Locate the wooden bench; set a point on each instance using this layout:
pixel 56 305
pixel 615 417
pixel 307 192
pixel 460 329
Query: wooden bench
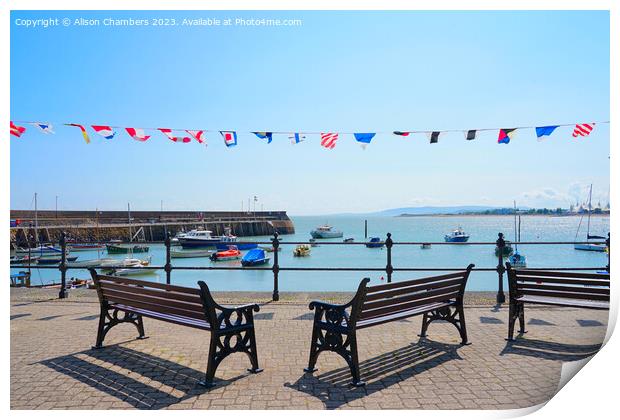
pixel 436 298
pixel 575 290
pixel 232 328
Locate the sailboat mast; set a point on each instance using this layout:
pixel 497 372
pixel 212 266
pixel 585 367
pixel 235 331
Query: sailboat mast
pixel 129 220
pixel 515 206
pixel 36 219
pixel 589 212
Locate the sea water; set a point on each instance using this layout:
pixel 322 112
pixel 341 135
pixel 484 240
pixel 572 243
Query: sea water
pixel 412 229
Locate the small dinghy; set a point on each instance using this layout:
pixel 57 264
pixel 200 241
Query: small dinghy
pixel 375 242
pixel 301 251
pixel 254 257
pixel 232 253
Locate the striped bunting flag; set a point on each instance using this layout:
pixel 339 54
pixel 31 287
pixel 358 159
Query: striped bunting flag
pixel 83 130
pixel 199 135
pixel 583 130
pixel 16 130
pixel 168 133
pixel 328 140
pixel 137 134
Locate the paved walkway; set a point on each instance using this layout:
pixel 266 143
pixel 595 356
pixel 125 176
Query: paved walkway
pixel 53 366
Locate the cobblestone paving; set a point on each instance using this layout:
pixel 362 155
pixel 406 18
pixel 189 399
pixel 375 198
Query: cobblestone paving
pixel 54 367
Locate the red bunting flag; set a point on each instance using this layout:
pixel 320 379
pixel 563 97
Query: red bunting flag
pixel 328 140
pixel 198 135
pixel 137 134
pixel 83 130
pixel 16 130
pixel 168 133
pixel 583 130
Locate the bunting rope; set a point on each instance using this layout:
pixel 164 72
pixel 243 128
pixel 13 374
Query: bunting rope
pixel 328 138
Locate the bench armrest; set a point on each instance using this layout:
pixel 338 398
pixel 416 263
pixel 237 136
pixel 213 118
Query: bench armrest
pixel 321 305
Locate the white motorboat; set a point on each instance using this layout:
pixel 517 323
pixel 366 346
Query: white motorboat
pixel 98 262
pixel 325 232
pixel 190 253
pixel 457 235
pixel 135 270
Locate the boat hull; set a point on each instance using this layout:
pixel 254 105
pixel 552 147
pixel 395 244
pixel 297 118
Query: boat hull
pixel 457 239
pixel 192 253
pixel 253 263
pixel 591 247
pixel 326 235
pixel 119 249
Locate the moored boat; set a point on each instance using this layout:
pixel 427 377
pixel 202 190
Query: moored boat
pixel 425 245
pixel 54 259
pixel 347 240
pixel 375 242
pixel 326 232
pixel 126 249
pixel 590 246
pixel 232 253
pixel 40 250
pixel 190 253
pixel 301 251
pixel 517 260
pixel 24 260
pixel 98 262
pixel 457 235
pixel 254 257
pixel 135 270
pixel 86 247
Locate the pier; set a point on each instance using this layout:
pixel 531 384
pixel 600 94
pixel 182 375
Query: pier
pixel 149 226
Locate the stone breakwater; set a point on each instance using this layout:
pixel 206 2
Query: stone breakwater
pixel 102 226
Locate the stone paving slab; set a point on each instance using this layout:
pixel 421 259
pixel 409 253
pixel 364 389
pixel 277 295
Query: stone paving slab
pixel 54 367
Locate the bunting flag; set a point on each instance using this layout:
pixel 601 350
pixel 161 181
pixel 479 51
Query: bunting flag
pixel 296 138
pixel 505 135
pixel 470 135
pixel 199 135
pixel 137 134
pixel 328 140
pixel 545 131
pixel 433 136
pixel 402 133
pixel 104 131
pixel 16 130
pixel 83 130
pixel 176 139
pixel 44 127
pixel 364 138
pixel 583 130
pixel 264 135
pixel 230 138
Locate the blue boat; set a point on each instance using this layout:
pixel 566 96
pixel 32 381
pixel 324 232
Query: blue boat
pixel 254 257
pixel 457 235
pixel 375 242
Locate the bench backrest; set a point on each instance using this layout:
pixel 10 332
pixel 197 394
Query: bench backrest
pixel 390 299
pixel 152 296
pixel 583 286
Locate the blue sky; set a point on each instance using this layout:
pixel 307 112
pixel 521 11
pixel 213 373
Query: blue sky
pixel 338 71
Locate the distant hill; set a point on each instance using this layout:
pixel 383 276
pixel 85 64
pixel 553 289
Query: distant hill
pixel 416 211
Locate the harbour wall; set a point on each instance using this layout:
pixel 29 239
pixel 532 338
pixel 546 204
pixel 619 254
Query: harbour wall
pixel 103 226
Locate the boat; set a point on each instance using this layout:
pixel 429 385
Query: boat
pixel 254 257
pixel 126 248
pixel 590 246
pixel 204 239
pixel 301 251
pixel 517 259
pixel 325 232
pixel 135 270
pixel 190 253
pixel 232 253
pixel 40 250
pixel 313 242
pixel 457 235
pixel 375 242
pixel 86 247
pixel 425 245
pixel 54 259
pixel 347 240
pixel 23 260
pixel 98 262
pixel 124 263
pixel 179 235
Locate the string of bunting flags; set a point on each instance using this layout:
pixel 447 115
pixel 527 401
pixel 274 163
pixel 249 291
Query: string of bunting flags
pixel 328 139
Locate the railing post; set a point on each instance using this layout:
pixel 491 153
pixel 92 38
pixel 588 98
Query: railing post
pixel 500 243
pixel 168 266
pixel 63 267
pixel 608 243
pixel 275 243
pixel 388 268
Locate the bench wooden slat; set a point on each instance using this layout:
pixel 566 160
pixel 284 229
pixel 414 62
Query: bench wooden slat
pixel 593 276
pixel 364 323
pixel 175 319
pixel 119 297
pixel 181 289
pixel 562 288
pixel 572 303
pixel 410 297
pixel 401 284
pixel 180 297
pixel 140 297
pixel 571 281
pixel 564 295
pixel 409 305
pixel 406 290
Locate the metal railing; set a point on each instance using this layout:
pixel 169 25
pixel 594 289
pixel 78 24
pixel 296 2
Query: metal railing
pixel 275 243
